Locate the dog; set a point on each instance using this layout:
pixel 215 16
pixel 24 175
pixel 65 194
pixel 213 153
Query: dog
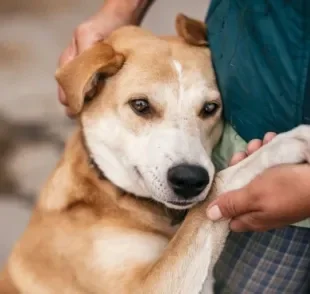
pixel 125 209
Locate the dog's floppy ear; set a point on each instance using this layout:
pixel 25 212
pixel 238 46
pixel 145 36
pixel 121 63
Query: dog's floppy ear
pixel 191 30
pixel 79 78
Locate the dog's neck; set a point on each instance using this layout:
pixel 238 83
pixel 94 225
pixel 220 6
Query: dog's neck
pixel 78 180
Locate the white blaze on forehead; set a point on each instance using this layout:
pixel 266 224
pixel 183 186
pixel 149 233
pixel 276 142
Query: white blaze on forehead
pixel 178 68
pixel 192 90
pixel 182 96
pixel 193 84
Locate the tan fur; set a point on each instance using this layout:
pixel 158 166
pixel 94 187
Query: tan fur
pixel 69 228
pixel 86 235
pixel 101 59
pixel 193 31
pixel 75 204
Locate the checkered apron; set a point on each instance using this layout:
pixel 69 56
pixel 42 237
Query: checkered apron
pixel 273 262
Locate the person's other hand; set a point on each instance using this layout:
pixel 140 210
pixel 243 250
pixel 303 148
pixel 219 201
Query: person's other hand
pixel 278 197
pixel 252 146
pixel 114 14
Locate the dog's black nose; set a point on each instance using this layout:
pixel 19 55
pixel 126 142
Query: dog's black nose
pixel 188 181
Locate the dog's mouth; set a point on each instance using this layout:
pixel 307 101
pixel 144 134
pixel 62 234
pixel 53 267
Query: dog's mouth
pixel 172 204
pixel 180 205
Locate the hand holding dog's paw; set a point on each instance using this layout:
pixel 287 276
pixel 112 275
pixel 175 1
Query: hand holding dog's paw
pixel 280 196
pixel 252 147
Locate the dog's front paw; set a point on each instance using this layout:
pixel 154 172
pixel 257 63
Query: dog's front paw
pixel 302 134
pixel 293 146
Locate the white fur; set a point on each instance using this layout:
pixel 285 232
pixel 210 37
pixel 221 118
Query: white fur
pixel 115 249
pixel 196 274
pixel 178 68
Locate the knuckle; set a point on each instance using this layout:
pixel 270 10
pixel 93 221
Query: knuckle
pixel 270 135
pixel 230 210
pixel 82 29
pixel 237 226
pixel 67 55
pixel 63 57
pixel 253 190
pixel 256 200
pixel 254 223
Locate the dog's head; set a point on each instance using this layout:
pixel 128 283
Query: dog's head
pixel 150 111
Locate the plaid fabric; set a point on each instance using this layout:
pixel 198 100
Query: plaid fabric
pixel 272 262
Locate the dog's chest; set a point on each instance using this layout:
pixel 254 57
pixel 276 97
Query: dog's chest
pixel 115 248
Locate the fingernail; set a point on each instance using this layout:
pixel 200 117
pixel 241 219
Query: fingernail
pixel 214 213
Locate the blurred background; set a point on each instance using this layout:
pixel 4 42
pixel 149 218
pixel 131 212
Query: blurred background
pixel 33 126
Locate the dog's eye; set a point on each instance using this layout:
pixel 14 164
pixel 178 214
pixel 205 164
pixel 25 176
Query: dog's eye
pixel 140 106
pixel 208 109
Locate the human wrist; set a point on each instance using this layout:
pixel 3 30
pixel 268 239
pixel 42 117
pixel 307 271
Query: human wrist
pixel 129 11
pixel 302 180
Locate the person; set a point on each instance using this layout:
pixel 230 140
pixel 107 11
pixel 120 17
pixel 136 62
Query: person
pixel 261 55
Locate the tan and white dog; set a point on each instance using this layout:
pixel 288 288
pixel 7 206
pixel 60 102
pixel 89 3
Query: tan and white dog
pixel 149 117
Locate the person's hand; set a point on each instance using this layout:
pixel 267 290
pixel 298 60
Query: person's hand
pixel 278 197
pixel 114 14
pixel 253 146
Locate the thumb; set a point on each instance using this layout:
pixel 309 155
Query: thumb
pixel 229 205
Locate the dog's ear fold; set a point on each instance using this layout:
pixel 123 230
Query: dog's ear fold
pixel 192 31
pixel 79 78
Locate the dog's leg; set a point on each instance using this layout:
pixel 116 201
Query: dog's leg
pixel 287 148
pixel 191 255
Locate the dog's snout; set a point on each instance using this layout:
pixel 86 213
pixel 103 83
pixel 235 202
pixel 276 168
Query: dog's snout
pixel 188 181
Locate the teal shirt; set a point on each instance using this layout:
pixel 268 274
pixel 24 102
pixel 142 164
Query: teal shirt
pixel 261 55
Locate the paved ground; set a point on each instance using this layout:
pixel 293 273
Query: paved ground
pixel 32 125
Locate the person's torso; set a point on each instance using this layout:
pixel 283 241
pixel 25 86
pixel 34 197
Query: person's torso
pixel 261 55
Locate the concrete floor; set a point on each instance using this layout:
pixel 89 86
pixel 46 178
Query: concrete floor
pixel 32 124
